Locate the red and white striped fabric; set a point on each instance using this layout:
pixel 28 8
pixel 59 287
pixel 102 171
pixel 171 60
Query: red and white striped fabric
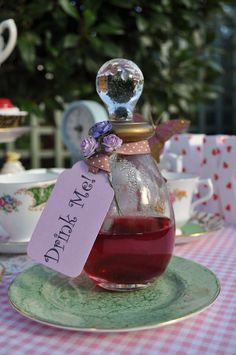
pixel 210 332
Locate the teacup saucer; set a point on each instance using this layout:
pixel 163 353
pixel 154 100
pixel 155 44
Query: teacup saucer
pixel 12 247
pixel 200 225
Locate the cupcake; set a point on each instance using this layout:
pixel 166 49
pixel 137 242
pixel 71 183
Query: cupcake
pixel 10 116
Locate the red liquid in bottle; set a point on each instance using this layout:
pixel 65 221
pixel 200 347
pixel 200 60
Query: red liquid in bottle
pixel 135 249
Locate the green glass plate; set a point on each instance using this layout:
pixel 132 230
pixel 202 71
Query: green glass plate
pixel 186 288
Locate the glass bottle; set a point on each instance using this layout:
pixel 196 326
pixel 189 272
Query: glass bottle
pixel 136 241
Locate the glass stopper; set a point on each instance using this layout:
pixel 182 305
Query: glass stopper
pixel 119 84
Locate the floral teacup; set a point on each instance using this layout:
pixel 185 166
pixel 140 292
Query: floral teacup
pixel 182 187
pixel 22 199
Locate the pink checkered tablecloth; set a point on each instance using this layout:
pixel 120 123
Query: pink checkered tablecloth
pixel 211 332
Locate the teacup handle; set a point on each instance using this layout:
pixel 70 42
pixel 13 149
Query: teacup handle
pixel 205 198
pixel 11 27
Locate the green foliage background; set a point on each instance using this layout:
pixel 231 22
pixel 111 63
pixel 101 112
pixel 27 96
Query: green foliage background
pixel 62 44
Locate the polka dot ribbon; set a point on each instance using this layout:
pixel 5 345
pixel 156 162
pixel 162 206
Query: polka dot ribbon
pixel 101 161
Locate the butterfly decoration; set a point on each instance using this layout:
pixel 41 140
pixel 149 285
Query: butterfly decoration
pixel 164 132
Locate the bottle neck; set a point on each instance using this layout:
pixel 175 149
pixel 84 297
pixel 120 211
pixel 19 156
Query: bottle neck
pixel 133 131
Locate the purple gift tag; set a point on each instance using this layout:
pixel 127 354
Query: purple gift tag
pixel 71 220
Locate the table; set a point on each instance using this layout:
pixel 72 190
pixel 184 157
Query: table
pixel 211 332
